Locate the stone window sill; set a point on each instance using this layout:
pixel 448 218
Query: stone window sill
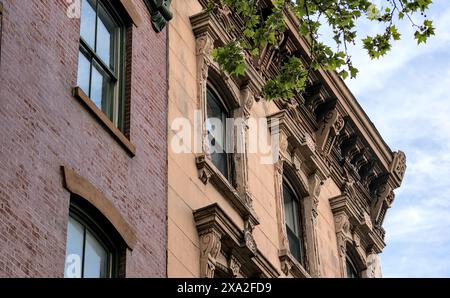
pixel 104 120
pixel 290 265
pixel 209 173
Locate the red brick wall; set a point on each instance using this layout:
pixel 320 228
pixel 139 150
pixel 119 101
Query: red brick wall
pixel 43 127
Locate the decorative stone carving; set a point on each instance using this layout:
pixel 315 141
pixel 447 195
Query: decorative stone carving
pixel 207 28
pixel 383 201
pixel 160 13
pixel 248 236
pixel 315 184
pixel 279 170
pixel 329 129
pixel 209 248
pixel 343 236
pixel 398 166
pixel 234 265
pixel 204 46
pixel 289 265
pixel 309 142
pixel 224 12
pixel 285 265
pixel 217 232
pixel 291 105
pixel 204 171
pixel 373 266
pixel 248 99
pixel 349 185
pixel 242 202
pixel 314 96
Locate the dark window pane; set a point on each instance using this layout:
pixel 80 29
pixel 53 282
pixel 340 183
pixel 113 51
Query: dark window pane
pixel 87 23
pixel 216 129
pixel 74 249
pixel 220 160
pixel 351 271
pixel 215 109
pixel 294 244
pixel 84 69
pixel 291 209
pixel 96 258
pixel 292 218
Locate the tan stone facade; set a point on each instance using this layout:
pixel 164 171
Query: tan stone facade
pixel 330 152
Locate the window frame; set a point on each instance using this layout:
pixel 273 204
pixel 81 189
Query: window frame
pixel 115 109
pixel 211 89
pixel 94 222
pixel 301 225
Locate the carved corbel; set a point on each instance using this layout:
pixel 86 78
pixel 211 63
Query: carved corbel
pixel 349 185
pixel 160 13
pixel 279 172
pixel 204 47
pixel 286 265
pixel 329 129
pixel 315 185
pixel 311 204
pixel 209 249
pixel 348 145
pixel 247 101
pixel 398 167
pixel 343 236
pixel 373 266
pixel 234 265
pixel 383 201
pixel 314 96
pixel 283 144
pixel 291 105
pixel 250 242
pixel 204 169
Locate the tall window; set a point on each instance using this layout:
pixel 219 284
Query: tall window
pixel 216 127
pixel 292 214
pixel 101 57
pixel 90 252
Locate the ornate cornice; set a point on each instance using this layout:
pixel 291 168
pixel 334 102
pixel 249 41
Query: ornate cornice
pixel 324 130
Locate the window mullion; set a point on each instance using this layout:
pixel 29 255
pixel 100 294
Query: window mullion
pixel 104 67
pixel 84 250
pixel 96 26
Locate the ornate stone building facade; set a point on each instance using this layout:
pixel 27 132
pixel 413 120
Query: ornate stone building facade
pixel 317 211
pixel 83 106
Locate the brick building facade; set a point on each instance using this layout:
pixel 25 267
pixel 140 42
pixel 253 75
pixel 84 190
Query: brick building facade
pixel 58 147
pixel 92 183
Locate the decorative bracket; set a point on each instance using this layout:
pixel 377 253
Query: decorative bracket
pixel 219 234
pixel 329 129
pixel 160 13
pixel 209 248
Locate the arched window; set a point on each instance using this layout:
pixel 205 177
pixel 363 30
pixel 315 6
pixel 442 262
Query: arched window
pixel 218 135
pixel 292 214
pixel 93 247
pixel 101 57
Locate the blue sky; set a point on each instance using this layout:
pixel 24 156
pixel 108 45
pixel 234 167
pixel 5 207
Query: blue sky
pixel 406 95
